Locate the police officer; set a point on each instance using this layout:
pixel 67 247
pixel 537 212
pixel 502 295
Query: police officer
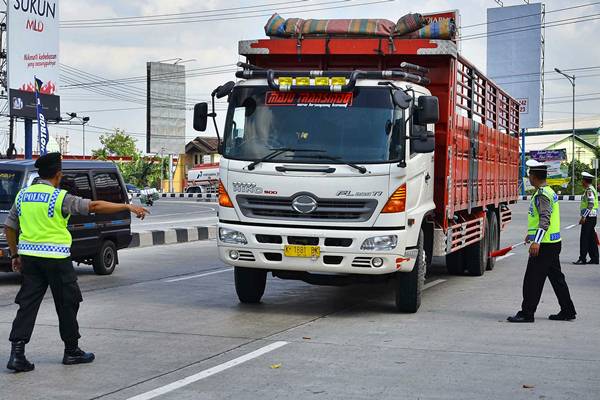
pixel 42 255
pixel 589 214
pixel 544 233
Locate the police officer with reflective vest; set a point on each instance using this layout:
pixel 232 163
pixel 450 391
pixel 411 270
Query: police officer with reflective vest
pixel 42 255
pixel 543 232
pixel 589 214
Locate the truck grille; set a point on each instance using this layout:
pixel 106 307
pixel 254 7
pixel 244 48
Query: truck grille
pixel 327 209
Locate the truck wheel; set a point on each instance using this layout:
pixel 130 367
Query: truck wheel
pixel 476 254
pixel 409 285
pixel 455 262
pixel 494 239
pixel 250 284
pixel 105 261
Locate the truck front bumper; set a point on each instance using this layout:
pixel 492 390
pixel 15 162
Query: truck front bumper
pixel 340 250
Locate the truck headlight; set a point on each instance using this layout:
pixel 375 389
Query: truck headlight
pixel 380 243
pixel 232 237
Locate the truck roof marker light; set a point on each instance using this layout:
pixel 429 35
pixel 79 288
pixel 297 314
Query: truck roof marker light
pixel 397 201
pixel 224 199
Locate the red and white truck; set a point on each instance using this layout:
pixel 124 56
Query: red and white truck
pixel 359 160
pixel 203 178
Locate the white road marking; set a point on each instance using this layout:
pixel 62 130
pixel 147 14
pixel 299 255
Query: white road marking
pixel 176 221
pixel 207 372
pixel 433 283
pixel 505 256
pixel 185 278
pixel 570 227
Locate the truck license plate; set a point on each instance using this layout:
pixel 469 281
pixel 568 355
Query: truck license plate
pixel 302 251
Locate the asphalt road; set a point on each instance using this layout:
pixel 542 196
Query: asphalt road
pixel 168 325
pixel 176 213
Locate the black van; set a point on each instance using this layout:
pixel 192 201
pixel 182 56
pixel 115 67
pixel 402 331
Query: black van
pixel 96 238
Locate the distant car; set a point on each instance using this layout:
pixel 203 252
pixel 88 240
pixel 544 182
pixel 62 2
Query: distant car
pixel 132 188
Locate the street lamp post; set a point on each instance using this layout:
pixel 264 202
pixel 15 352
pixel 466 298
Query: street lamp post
pixel 84 120
pixel 572 82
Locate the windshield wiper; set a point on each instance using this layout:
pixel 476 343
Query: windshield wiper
pixel 359 168
pixel 275 152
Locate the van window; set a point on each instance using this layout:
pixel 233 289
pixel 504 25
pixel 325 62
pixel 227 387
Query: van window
pixel 77 184
pixel 10 184
pixel 108 188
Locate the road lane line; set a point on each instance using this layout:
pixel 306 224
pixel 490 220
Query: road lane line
pixel 504 256
pixel 208 372
pixel 199 275
pixel 570 226
pixel 433 283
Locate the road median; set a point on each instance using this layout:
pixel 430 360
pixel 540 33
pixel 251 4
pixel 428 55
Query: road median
pixel 172 236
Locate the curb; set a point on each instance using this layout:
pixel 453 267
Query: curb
pixel 560 198
pixel 172 236
pixel 206 196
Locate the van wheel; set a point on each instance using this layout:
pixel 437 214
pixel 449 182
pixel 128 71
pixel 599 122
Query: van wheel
pixel 250 284
pixel 409 285
pixel 105 261
pixel 494 240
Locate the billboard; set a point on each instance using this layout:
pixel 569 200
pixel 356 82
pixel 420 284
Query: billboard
pixel 32 29
pixel 165 109
pixel 558 172
pixel 514 56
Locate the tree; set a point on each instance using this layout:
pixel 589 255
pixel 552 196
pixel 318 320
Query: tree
pixel 142 170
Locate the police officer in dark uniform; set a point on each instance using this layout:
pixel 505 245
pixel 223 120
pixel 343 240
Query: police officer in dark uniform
pixel 42 255
pixel 544 232
pixel 589 215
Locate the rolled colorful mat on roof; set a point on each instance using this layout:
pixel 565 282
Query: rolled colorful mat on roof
pixel 443 29
pixel 275 26
pixel 409 23
pixel 350 27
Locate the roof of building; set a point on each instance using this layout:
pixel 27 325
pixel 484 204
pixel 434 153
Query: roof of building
pixel 204 144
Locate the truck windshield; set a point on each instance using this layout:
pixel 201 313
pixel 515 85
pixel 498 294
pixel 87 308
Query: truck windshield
pixel 10 184
pixel 358 127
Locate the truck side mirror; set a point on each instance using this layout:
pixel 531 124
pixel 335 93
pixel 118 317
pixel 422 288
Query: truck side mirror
pixel 200 116
pixel 428 110
pixel 401 99
pixel 425 143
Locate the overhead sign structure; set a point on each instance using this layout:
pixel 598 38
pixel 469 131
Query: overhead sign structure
pixel 514 56
pixel 165 112
pixel 33 42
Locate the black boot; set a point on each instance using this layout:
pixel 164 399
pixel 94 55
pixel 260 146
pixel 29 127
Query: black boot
pixel 580 262
pixel 74 355
pixel 17 361
pixel 563 316
pixel 520 318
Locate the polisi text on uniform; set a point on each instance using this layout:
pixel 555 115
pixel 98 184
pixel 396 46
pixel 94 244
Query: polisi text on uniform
pixel 42 8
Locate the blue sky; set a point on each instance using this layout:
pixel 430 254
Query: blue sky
pixel 122 52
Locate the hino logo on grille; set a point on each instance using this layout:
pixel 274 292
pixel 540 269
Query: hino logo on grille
pixel 304 204
pixel 241 187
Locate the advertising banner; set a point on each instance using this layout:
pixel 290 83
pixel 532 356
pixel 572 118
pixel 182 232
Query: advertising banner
pixel 558 173
pixel 43 134
pixel 33 42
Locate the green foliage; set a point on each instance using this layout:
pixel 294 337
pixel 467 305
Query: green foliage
pixel 141 171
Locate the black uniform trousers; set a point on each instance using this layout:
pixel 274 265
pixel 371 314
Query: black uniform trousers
pixel 38 274
pixel 587 240
pixel 546 264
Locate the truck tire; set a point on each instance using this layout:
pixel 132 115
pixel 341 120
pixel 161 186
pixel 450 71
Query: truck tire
pixel 409 285
pixel 494 239
pixel 455 262
pixel 476 254
pixel 250 284
pixel 105 261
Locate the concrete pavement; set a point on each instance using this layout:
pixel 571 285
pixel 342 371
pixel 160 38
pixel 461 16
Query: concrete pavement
pixel 169 320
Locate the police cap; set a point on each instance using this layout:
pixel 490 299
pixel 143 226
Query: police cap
pixel 535 165
pixel 49 164
pixel 587 176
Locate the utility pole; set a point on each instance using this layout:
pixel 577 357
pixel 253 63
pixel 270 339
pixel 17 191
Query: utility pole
pixel 571 79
